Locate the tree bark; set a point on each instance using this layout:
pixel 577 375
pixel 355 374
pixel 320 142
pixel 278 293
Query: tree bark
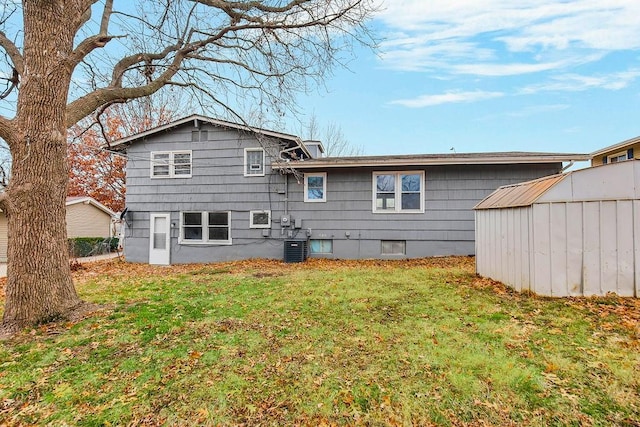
pixel 39 284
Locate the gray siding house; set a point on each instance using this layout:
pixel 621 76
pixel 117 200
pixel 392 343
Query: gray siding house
pixel 204 190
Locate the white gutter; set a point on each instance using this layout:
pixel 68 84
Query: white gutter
pixel 427 162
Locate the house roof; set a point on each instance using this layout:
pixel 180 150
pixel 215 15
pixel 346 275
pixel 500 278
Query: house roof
pixel 512 157
pixel 616 147
pixel 216 122
pixel 89 201
pixel 519 195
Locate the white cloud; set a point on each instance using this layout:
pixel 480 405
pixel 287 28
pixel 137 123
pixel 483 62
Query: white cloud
pixel 498 38
pixel 497 70
pixel 446 98
pixel 577 83
pixel 538 109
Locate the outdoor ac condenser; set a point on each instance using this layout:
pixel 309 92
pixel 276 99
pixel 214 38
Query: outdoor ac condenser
pixel 295 250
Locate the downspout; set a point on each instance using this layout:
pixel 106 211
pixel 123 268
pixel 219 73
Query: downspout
pixel 567 167
pixel 286 193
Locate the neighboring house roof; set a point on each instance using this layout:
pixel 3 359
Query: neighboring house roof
pixel 295 140
pixel 90 201
pixel 434 159
pixel 616 147
pixel 614 181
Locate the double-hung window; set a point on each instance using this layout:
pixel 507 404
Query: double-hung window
pixel 398 192
pixel 315 187
pixel 205 227
pixel 253 162
pixel 171 164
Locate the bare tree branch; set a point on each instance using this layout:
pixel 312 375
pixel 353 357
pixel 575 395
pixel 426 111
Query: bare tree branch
pixel 13 52
pixel 7 130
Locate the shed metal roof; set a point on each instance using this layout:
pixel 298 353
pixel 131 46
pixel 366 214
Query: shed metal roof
pixel 519 195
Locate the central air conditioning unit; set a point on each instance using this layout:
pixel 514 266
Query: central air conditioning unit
pixel 295 250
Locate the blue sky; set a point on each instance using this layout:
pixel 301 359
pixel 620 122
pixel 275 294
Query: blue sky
pixel 490 75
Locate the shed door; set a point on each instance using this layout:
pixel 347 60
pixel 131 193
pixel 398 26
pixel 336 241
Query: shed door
pixel 159 248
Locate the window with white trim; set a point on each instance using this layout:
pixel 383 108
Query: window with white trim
pixel 393 247
pixel 398 192
pixel 171 164
pixel 315 187
pixel 321 246
pixel 260 219
pixel 253 162
pixel 205 227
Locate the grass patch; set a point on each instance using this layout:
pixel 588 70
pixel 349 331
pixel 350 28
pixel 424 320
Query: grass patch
pixel 371 343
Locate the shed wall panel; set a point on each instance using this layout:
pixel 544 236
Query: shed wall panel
pixel 575 245
pixel 542 249
pixel 591 257
pixel 526 229
pixel 636 247
pixel 624 245
pixel 608 247
pixel 558 249
pixel 502 243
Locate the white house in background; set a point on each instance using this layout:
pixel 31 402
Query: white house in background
pixel 625 150
pixel 86 217
pixel 571 234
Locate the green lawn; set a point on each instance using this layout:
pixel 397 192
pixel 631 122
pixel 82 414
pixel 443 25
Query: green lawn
pixel 323 343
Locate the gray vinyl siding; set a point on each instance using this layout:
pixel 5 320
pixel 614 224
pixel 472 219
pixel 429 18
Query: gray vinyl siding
pixel 218 184
pixel 445 228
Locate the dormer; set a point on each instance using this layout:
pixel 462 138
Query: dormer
pixel 315 148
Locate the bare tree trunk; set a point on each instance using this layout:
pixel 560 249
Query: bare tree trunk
pixel 39 286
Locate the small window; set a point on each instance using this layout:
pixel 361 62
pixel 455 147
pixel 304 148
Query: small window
pixel 253 162
pixel 321 246
pixel 171 164
pixel 199 136
pixel 618 157
pixel 260 219
pixel 398 192
pixel 393 247
pixel 205 227
pixel 315 187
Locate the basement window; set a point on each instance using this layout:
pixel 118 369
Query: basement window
pixel 393 247
pixel 321 246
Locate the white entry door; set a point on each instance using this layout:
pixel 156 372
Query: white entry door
pixel 159 248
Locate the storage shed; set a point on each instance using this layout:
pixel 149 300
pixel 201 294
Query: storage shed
pixel 573 234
